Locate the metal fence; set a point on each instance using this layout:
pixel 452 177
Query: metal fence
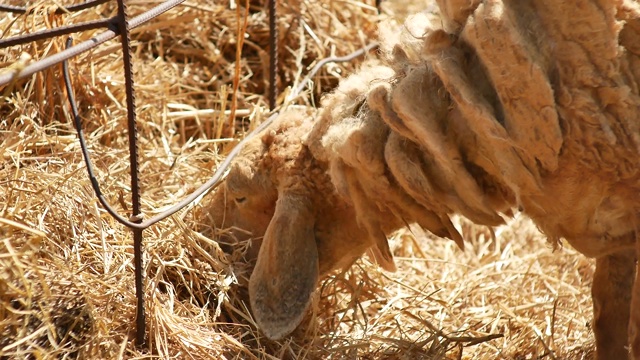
pixel 121 25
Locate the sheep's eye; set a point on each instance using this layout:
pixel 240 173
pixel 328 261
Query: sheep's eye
pixel 240 200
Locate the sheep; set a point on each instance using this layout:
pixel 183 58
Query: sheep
pixel 501 105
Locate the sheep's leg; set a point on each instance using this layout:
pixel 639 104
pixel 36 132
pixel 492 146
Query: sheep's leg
pixel 634 322
pixel 611 292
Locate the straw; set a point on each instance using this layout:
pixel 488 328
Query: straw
pixel 66 267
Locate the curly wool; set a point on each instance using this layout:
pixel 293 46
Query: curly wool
pixel 503 106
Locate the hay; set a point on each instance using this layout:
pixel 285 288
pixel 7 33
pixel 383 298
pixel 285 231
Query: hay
pixel 66 267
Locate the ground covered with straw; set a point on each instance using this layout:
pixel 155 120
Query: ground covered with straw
pixel 66 266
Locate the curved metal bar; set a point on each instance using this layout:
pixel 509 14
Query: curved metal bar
pixel 222 168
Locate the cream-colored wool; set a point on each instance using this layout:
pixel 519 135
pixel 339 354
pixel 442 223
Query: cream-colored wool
pixel 531 105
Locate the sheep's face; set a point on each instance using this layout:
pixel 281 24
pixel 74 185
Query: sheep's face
pixel 245 203
pixel 282 200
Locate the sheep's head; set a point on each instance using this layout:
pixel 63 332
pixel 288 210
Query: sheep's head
pixel 278 195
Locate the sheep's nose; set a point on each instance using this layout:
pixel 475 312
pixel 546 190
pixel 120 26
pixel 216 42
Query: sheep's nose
pixel 227 243
pixel 230 240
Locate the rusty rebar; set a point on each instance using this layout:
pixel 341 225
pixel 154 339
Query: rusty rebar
pixel 273 54
pixel 59 10
pixel 136 215
pixel 86 45
pixel 63 30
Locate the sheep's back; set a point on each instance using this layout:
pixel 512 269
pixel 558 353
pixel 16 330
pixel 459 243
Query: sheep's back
pixel 517 104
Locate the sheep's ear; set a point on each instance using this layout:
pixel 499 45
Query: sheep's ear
pixel 286 271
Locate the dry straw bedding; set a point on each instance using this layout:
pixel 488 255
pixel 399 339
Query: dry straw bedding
pixel 66 267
